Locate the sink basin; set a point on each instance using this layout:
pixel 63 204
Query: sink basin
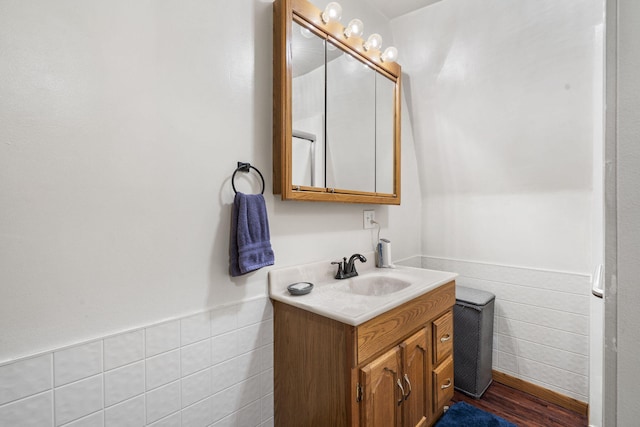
pixel 372 285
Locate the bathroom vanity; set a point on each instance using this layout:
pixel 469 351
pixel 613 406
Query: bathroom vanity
pixel 374 350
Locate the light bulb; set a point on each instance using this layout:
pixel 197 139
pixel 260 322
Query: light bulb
pixel 306 33
pixel 390 54
pixel 373 42
pixel 354 28
pixel 333 12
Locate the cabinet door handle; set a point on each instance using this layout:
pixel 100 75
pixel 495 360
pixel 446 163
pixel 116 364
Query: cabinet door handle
pixel 445 338
pixel 406 378
pixel 401 390
pixel 447 385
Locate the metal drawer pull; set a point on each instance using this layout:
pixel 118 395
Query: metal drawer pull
pixel 406 378
pixel 402 390
pixel 445 338
pixel 447 385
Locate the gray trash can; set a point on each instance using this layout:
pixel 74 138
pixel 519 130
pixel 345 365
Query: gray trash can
pixel 473 343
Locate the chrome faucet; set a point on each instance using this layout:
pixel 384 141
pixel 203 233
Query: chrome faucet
pixel 346 268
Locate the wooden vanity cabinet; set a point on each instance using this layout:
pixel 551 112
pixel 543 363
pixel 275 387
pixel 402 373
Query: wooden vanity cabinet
pixel 393 370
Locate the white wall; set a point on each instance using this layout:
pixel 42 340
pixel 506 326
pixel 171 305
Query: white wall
pixel 504 102
pixel 504 95
pixel 121 127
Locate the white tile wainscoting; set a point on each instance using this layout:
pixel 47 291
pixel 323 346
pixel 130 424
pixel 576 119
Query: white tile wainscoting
pixel 216 368
pixel 210 369
pixel 541 328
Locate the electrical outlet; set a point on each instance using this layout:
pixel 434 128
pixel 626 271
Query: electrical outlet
pixel 367 219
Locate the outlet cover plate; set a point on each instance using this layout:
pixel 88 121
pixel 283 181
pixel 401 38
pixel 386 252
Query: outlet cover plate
pixel 367 218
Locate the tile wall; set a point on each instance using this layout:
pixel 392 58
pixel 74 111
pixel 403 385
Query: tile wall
pixel 216 368
pixel 541 328
pixel 210 369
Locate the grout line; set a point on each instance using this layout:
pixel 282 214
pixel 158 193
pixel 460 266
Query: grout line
pixel 520 285
pixel 83 417
pixel 538 307
pixel 537 325
pixel 500 299
pixel 527 286
pixel 537 270
pixel 163 418
pixel 544 345
pixel 584 316
pixel 545 364
pixel 540 326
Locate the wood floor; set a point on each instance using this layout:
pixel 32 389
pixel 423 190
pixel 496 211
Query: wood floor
pixel 522 409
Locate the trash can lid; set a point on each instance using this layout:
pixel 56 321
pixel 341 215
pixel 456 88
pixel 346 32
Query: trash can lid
pixel 473 296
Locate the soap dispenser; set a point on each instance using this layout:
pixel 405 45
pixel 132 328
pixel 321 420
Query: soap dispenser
pixel 383 254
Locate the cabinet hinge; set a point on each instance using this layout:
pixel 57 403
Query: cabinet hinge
pixel 358 392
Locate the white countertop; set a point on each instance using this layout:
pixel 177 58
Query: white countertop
pixel 329 298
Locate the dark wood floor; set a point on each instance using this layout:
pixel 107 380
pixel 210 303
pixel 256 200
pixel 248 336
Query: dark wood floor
pixel 522 409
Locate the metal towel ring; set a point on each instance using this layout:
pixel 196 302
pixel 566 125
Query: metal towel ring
pixel 245 167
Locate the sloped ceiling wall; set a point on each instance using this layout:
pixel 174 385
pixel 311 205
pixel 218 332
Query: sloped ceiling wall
pixel 506 107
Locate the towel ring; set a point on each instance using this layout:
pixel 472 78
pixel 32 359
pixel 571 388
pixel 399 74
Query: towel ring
pixel 245 167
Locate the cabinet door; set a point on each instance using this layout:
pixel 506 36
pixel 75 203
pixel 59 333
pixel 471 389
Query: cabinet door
pixel 416 379
pixel 382 394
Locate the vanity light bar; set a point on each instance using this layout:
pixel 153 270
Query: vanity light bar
pixel 333 13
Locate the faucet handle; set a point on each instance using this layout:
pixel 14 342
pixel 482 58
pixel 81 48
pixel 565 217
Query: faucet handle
pixel 340 273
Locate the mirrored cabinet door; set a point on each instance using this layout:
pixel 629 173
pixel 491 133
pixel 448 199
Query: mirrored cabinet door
pixel 308 107
pixel 351 123
pixel 385 125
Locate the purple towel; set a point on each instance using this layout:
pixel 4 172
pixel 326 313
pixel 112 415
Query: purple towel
pixel 250 246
